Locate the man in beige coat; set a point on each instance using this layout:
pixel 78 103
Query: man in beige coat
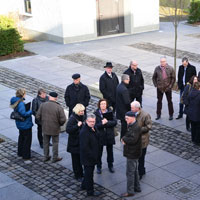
pixel 145 123
pixel 52 116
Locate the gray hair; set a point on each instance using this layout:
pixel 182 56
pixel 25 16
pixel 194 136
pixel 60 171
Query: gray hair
pixel 91 115
pixel 163 57
pixel 125 77
pixel 136 104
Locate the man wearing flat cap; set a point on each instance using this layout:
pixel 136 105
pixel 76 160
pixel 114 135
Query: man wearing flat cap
pixel 132 142
pixel 107 85
pixel 76 93
pixel 122 102
pixel 52 116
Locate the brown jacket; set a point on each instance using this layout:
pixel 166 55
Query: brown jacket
pixel 144 121
pixel 167 84
pixel 52 116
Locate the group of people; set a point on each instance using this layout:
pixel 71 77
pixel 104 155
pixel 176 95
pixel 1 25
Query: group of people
pixel 90 132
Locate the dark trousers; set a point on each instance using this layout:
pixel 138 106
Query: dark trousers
pixel 195 131
pixel 187 122
pixel 134 97
pixel 181 106
pixel 110 158
pixel 123 128
pixel 169 100
pixel 39 134
pixel 141 168
pixel 88 182
pixel 24 143
pixel 76 165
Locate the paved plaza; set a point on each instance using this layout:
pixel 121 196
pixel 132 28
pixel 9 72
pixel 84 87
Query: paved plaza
pixel 172 161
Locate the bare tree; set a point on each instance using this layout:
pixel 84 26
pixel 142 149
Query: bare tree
pixel 174 10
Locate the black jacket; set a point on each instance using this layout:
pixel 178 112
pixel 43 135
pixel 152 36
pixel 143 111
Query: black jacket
pixel 106 131
pixel 77 94
pixel 133 142
pixel 185 96
pixel 36 103
pixel 136 84
pixel 194 105
pixel 73 130
pixel 89 146
pixel 107 86
pixel 122 101
pixel 190 71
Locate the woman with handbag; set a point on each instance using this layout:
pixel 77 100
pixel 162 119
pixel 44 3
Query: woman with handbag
pixel 24 125
pixel 73 128
pixel 105 123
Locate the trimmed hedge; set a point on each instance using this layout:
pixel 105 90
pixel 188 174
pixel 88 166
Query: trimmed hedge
pixel 10 39
pixel 194 11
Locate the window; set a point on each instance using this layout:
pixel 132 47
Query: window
pixel 27 5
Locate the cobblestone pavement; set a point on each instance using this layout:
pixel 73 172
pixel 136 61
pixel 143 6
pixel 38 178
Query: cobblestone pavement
pixel 94 62
pixel 163 137
pixel 166 51
pixel 50 180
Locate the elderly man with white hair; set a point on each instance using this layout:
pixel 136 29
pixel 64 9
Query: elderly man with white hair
pixel 145 123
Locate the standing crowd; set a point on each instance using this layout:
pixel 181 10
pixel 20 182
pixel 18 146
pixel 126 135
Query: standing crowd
pixel 88 133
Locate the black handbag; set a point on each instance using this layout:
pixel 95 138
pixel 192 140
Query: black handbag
pixel 16 116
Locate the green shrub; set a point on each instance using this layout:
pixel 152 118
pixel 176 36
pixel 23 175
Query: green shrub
pixel 194 11
pixel 10 39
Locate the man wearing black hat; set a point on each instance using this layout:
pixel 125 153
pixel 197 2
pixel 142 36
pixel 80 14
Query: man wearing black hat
pixel 132 142
pixel 76 93
pixel 52 116
pixel 107 85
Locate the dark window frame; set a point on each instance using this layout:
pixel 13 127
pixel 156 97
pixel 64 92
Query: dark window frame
pixel 27 6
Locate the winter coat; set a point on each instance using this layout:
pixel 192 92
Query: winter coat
pixel 194 105
pixel 36 104
pixel 52 116
pixel 190 71
pixel 77 94
pixel 107 86
pixel 20 108
pixel 145 123
pixel 106 131
pixel 133 141
pixel 122 101
pixel 184 97
pixel 136 84
pixel 89 146
pixel 168 83
pixel 73 130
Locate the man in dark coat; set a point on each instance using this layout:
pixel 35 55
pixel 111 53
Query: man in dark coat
pixel 107 85
pixel 122 102
pixel 185 72
pixel 36 103
pixel 132 142
pixel 89 147
pixel 76 93
pixel 136 84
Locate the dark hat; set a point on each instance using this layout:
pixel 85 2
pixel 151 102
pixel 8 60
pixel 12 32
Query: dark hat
pixel 53 94
pixel 130 114
pixel 108 64
pixel 75 76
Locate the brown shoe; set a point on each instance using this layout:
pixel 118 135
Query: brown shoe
pixel 47 159
pixel 127 195
pixel 57 160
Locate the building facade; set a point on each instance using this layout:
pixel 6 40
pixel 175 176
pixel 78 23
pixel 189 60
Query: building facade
pixel 66 21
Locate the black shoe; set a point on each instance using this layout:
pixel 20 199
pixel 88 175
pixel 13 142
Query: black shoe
pixel 158 117
pixel 47 159
pixel 41 146
pixel 94 194
pixel 50 144
pixel 80 179
pixel 179 117
pixel 137 190
pixel 171 117
pixel 98 170
pixel 111 170
pixel 140 176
